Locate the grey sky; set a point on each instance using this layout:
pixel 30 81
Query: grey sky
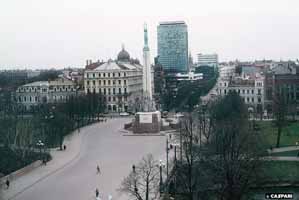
pixel 62 33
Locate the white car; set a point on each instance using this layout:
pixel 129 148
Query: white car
pixel 124 114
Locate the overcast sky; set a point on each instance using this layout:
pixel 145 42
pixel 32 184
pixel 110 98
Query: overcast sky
pixel 62 33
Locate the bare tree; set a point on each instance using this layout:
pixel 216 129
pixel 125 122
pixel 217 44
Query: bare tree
pixel 143 182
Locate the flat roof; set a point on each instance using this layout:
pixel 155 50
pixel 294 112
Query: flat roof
pixel 172 23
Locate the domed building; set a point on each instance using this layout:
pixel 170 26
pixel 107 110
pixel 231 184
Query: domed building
pixel 123 55
pixel 119 81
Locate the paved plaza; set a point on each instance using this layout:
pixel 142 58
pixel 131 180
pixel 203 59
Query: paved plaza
pixel 72 174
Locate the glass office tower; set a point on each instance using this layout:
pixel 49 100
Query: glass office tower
pixel 173 46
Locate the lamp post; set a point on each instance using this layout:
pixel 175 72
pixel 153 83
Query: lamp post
pixel 135 180
pixel 161 165
pixel 40 144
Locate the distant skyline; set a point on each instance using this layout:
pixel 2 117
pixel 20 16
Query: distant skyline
pixel 63 33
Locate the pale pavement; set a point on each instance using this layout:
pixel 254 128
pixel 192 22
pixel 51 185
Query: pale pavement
pixel 72 173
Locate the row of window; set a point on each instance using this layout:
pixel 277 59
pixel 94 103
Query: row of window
pixel 108 91
pixel 259 91
pixel 94 75
pixel 93 82
pixel 33 99
pixel 60 89
pixel 247 100
pixel 116 99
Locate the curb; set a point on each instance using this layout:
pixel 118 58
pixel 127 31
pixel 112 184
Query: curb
pixel 52 172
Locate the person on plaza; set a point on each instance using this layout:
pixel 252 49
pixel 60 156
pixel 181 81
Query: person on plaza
pixel 98 169
pixel 7 182
pixel 97 192
pixel 64 147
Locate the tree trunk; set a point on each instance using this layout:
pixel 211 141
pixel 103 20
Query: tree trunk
pixel 278 136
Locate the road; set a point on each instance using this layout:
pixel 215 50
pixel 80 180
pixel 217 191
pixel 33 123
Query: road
pixel 105 145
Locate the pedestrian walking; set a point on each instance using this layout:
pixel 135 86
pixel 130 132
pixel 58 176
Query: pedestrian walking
pixel 64 147
pixel 97 192
pixel 98 169
pixel 7 182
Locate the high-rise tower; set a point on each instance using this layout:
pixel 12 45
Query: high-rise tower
pixel 173 46
pixel 147 75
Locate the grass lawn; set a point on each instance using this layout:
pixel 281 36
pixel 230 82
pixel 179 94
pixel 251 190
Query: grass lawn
pixel 278 171
pixel 289 136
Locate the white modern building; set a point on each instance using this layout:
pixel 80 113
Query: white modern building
pixel 119 81
pixel 207 60
pixel 189 76
pixel 39 92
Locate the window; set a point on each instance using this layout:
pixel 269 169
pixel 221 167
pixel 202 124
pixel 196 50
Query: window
pixel 104 74
pixel 109 91
pixel 252 91
pixel 93 75
pixel 109 98
pixel 119 90
pixel 35 98
pixel 30 98
pixel 119 82
pixel 108 74
pixel 109 82
pixel 114 82
pixel 259 99
pixel 87 75
pixel 238 91
pixel 104 81
pixel 224 91
pixel 125 82
pixel 118 74
pixel 252 100
pixel 124 73
pixel 99 82
pixel 114 99
pixel 243 91
pixel 247 91
pixel 248 99
pixel 125 91
pixel 259 91
pixel 99 75
pixel 104 91
pixel 113 74
pixel 113 90
pixel 94 82
pixel 125 98
pixel 87 82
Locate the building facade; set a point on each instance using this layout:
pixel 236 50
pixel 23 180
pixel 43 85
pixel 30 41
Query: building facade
pixel 35 93
pixel 173 46
pixel 207 60
pixel 252 91
pixel 119 81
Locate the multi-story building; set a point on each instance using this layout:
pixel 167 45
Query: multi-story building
pixel 173 46
pixel 119 81
pixel 207 60
pixel 252 90
pixel 283 79
pixel 39 92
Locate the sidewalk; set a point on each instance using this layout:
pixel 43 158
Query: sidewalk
pixel 283 149
pixel 60 159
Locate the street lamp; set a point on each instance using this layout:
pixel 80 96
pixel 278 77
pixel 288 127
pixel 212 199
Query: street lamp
pixel 161 165
pixel 135 179
pixel 40 144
